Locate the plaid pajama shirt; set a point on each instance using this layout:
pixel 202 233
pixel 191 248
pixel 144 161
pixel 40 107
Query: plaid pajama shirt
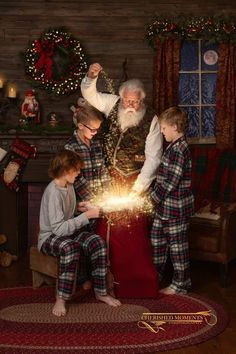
pixel 69 249
pixel 174 202
pixel 94 176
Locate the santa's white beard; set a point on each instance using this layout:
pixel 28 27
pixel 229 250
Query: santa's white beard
pixel 129 117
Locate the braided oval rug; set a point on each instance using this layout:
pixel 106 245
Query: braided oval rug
pixel 137 326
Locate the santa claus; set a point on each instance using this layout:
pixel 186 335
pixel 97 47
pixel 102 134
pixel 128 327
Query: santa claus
pixel 132 143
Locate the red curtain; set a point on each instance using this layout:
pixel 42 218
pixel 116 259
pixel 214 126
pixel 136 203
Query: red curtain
pixel 226 97
pixel 166 74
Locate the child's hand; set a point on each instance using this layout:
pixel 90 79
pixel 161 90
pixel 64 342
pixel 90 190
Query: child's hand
pixel 94 212
pixel 89 209
pixel 84 206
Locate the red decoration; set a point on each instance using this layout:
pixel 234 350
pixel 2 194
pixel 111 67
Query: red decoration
pixel 55 62
pixel 46 50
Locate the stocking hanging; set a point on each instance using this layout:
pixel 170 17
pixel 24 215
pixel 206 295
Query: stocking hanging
pixel 14 162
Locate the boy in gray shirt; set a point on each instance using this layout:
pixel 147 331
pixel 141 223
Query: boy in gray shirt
pixel 61 232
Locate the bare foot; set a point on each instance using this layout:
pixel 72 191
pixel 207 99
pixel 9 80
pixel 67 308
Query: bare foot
pixel 59 309
pixel 87 285
pixel 168 291
pixel 108 299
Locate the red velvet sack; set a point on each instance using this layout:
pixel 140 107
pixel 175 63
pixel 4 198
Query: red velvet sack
pixel 130 257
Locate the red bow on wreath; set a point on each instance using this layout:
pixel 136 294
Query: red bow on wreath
pixel 46 50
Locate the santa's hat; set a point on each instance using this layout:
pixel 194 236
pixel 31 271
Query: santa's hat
pixel 30 93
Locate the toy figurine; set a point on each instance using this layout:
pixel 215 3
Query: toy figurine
pixel 30 108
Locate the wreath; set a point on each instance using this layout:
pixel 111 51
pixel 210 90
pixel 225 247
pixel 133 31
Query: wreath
pixel 56 62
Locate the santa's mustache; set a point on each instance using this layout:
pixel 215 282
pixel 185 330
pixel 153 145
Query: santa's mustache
pixel 129 110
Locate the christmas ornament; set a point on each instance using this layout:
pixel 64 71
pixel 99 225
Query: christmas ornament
pixel 52 119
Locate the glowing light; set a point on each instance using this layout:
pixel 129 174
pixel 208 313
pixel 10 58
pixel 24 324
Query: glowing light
pixel 116 202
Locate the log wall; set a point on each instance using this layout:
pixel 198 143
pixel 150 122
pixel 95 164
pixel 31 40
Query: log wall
pixel 110 32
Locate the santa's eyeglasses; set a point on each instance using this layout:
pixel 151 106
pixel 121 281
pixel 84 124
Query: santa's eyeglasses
pixel 133 102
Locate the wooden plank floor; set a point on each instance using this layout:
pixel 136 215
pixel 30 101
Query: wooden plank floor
pixel 205 282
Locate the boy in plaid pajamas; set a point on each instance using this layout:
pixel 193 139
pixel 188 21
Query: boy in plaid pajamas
pixel 94 177
pixel 61 232
pixel 174 202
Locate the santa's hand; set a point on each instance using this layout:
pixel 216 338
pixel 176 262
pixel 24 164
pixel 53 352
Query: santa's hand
pixel 94 70
pixel 134 194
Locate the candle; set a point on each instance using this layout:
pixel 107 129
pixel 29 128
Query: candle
pixel 12 92
pixel 1 82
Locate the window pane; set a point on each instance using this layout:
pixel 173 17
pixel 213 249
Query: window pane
pixel 197 88
pixel 209 56
pixel 208 122
pixel 189 56
pixel 188 89
pixel 209 88
pixel 193 121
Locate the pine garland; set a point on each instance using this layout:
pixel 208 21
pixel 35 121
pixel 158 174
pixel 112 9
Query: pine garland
pixel 56 62
pixel 219 29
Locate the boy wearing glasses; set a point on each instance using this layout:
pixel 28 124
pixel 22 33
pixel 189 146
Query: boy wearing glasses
pixel 94 175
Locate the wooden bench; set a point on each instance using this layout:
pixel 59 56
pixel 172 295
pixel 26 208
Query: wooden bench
pixel 44 268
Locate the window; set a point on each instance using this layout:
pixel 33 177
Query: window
pixel 197 89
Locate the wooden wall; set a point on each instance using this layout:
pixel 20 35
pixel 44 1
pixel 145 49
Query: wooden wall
pixel 109 31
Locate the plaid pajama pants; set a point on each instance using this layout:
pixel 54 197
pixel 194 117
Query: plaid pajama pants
pixel 171 236
pixel 69 248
